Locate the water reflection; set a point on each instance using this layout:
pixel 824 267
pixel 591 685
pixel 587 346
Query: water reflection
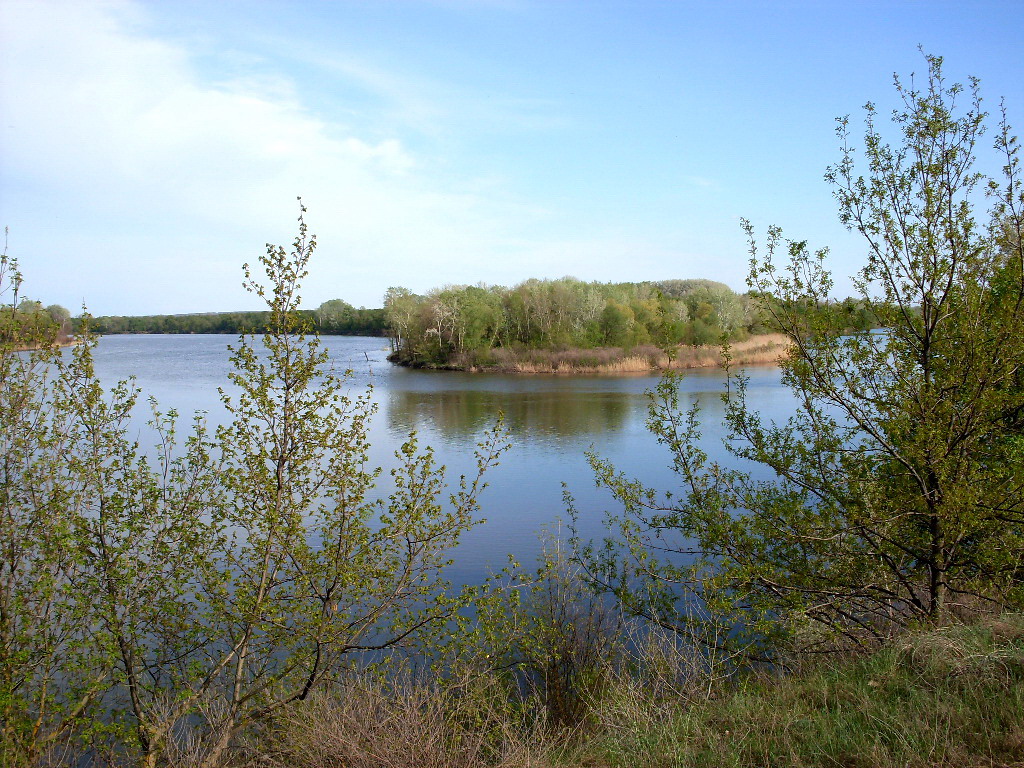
pixel 553 421
pixel 543 417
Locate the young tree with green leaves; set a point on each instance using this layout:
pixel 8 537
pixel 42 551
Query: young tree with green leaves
pixel 898 490
pixel 201 587
pixel 320 570
pixel 146 529
pixel 40 627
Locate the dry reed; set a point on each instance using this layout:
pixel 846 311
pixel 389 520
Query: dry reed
pixel 764 349
pixel 407 724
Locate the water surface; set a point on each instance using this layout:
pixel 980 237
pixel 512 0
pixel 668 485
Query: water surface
pixel 554 421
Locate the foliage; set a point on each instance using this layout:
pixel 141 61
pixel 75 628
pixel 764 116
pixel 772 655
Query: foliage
pixel 319 569
pixel 25 323
pixel 332 317
pixel 40 626
pixel 462 325
pixel 544 636
pixel 192 590
pixel 467 326
pixel 898 488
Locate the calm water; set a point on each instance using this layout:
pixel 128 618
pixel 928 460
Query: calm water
pixel 553 420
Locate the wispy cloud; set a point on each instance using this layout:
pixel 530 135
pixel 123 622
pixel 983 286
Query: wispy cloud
pixel 437 108
pixel 146 157
pixel 123 127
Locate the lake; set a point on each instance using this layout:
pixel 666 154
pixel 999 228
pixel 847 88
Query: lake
pixel 553 421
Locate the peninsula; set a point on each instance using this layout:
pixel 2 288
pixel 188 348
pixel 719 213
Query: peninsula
pixel 569 326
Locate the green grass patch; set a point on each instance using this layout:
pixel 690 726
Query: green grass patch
pixel 947 697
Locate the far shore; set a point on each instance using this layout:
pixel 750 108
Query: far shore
pixel 70 342
pixel 763 349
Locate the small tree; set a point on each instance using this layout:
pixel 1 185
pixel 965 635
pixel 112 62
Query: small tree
pixel 320 570
pixel 334 315
pixel 898 490
pixel 198 588
pixel 40 628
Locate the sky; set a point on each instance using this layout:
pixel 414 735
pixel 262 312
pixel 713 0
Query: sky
pixel 149 148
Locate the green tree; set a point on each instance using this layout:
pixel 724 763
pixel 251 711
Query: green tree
pixel 400 312
pixel 332 315
pixel 319 570
pixel 480 318
pixel 898 490
pixel 40 625
pixel 144 533
pixel 617 323
pixel 193 590
pixel 58 313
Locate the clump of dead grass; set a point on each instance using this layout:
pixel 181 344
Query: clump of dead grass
pixel 991 649
pixel 367 723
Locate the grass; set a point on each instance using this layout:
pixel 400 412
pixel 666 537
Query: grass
pixel 765 349
pixel 368 723
pixel 949 697
pixel 944 698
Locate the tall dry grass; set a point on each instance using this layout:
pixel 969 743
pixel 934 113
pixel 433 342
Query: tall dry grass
pixel 764 349
pixel 946 696
pixel 405 723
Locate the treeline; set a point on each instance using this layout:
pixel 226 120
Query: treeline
pixel 28 321
pixel 461 326
pixel 334 317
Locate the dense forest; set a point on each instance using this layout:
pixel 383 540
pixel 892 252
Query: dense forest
pixel 463 326
pixel 334 317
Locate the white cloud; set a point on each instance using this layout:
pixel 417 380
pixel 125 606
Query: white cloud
pixel 138 180
pixel 120 129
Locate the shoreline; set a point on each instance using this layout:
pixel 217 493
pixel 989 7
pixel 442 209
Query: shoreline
pixel 760 350
pixel 49 345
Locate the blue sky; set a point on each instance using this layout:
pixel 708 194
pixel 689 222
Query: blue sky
pixel 148 149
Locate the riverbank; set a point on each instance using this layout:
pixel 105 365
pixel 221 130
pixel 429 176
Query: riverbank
pixel 762 349
pixel 71 342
